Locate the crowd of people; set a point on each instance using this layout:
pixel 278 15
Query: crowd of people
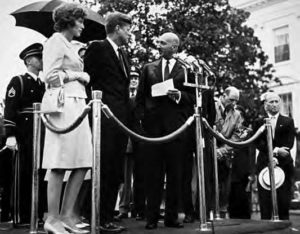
pixel 161 173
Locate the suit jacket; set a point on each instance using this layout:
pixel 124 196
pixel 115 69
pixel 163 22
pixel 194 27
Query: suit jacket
pixel 61 55
pixel 284 137
pixel 230 126
pixel 161 115
pixel 107 75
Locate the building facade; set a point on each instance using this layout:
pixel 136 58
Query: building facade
pixel 277 24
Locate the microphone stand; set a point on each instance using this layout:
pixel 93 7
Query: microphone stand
pixel 199 143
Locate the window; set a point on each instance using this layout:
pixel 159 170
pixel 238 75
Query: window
pixel 281 44
pixel 286 104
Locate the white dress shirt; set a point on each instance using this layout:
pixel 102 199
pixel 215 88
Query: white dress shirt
pixel 274 119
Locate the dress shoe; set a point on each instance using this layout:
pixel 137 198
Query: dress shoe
pixel 151 226
pixel 21 225
pixel 189 218
pixel 117 219
pixel 123 215
pixel 74 229
pixel 111 228
pixel 173 224
pixel 139 217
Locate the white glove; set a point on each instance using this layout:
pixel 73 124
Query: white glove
pixel 11 143
pixel 80 76
pixel 55 79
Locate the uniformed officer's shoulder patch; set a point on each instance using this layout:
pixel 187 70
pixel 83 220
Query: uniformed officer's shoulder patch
pixel 11 92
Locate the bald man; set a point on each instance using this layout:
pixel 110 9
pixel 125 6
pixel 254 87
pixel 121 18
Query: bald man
pixel 283 140
pixel 161 116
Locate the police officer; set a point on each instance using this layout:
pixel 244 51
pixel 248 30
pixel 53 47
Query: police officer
pixel 22 92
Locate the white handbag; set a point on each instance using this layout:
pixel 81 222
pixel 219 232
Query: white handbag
pixel 53 100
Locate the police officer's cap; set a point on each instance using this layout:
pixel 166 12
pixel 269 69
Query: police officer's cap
pixel 34 49
pixel 134 71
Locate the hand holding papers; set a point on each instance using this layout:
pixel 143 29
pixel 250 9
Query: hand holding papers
pixel 162 88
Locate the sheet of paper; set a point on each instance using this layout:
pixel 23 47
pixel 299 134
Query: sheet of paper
pixel 161 89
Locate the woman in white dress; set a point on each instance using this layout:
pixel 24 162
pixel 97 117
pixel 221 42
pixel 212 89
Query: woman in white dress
pixel 73 150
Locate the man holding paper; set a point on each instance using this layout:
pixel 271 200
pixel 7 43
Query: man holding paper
pixel 163 105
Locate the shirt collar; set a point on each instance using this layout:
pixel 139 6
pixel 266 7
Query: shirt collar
pixel 172 61
pixel 276 116
pixel 34 76
pixel 114 45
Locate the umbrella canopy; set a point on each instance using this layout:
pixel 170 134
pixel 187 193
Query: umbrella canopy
pixel 38 16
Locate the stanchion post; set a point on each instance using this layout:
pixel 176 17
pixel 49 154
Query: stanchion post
pixel 275 216
pixel 95 217
pixel 200 161
pixel 35 167
pixel 216 179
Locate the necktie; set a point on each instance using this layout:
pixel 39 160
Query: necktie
pixel 273 125
pixel 167 70
pixel 131 93
pixel 121 58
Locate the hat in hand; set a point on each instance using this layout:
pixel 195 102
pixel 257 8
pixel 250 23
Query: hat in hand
pixel 264 177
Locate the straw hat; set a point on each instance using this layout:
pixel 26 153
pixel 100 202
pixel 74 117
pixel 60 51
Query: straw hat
pixel 264 178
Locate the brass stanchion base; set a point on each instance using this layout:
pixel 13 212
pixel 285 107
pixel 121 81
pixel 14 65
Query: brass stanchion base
pixel 204 228
pixel 276 219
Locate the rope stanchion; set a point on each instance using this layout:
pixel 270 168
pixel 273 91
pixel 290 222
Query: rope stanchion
pixel 4 148
pixel 240 144
pixel 70 128
pixel 35 168
pixel 216 178
pixel 275 216
pixel 156 140
pixel 96 169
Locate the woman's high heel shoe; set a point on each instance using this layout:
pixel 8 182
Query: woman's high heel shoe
pixel 51 228
pixel 74 230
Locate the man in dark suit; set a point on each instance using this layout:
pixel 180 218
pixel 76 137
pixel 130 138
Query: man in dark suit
pixel 22 92
pixel 106 63
pixel 283 141
pixel 161 115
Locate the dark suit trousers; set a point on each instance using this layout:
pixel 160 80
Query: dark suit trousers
pixel 139 178
pixel 113 147
pixel 6 175
pixel 25 155
pixel 160 160
pixel 284 195
pixel 239 200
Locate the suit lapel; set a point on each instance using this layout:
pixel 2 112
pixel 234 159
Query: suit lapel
pixel 125 63
pixel 175 69
pixel 114 55
pixel 158 71
pixel 278 125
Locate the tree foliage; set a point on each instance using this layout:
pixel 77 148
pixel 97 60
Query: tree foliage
pixel 209 29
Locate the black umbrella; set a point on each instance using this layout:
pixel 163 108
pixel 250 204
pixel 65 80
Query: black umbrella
pixel 38 16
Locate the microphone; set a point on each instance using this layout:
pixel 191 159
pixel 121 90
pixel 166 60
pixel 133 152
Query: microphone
pixel 192 60
pixel 180 60
pixel 206 67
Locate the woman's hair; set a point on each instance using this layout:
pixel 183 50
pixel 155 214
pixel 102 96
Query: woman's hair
pixel 65 16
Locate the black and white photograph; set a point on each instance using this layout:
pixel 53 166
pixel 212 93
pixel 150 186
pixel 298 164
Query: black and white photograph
pixel 149 116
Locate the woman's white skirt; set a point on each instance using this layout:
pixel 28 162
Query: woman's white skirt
pixel 71 150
